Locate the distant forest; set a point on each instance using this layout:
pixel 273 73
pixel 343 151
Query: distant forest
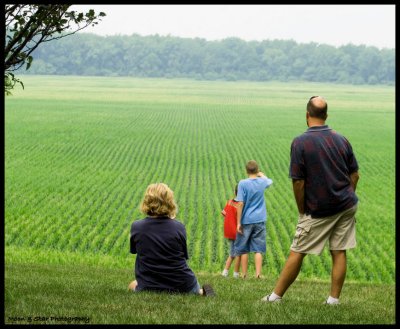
pixel 228 59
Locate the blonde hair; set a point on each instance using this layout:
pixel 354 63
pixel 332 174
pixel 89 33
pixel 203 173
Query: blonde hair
pixel 159 201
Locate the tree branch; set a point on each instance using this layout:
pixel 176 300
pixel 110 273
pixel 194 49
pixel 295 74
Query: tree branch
pixel 28 25
pixel 21 33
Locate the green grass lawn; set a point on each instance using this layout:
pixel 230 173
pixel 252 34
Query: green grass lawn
pixel 99 295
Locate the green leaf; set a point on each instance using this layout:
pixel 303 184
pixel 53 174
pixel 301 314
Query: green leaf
pixel 29 59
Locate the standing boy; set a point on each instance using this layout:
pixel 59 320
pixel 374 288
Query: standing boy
pixel 251 217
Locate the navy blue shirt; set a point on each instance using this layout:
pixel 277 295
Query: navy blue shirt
pixel 324 159
pixel 160 245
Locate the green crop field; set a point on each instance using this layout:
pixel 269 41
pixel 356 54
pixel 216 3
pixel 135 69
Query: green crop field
pixel 80 152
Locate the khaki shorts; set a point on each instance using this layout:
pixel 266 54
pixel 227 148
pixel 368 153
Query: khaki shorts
pixel 312 233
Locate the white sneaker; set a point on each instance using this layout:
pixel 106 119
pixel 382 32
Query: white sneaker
pixel 266 299
pixel 331 303
pixel 236 275
pixel 224 273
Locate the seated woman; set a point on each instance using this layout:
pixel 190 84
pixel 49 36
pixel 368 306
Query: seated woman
pixel 159 240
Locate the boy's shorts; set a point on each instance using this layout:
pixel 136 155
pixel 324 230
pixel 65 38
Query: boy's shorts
pixel 252 239
pixel 312 233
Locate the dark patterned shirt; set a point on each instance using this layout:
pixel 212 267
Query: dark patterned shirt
pixel 324 159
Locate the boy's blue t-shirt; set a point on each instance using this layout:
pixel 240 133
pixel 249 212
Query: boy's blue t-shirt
pixel 251 192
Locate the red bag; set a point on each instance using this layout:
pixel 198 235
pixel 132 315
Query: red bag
pixel 230 222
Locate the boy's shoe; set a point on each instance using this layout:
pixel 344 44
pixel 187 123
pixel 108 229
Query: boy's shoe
pixel 225 273
pixel 208 291
pixel 333 303
pixel 266 299
pixel 236 275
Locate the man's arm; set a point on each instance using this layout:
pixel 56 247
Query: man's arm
pixel 298 189
pixel 354 177
pixel 239 217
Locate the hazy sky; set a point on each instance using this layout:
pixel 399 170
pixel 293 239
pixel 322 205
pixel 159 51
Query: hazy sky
pixel 371 25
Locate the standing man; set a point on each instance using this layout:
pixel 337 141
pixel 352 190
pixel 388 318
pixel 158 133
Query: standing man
pixel 324 172
pixel 251 217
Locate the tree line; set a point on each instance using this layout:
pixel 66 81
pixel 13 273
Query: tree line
pixel 228 59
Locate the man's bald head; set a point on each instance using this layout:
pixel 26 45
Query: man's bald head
pixel 317 107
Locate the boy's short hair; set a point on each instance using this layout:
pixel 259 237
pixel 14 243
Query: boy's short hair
pixel 159 201
pixel 252 167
